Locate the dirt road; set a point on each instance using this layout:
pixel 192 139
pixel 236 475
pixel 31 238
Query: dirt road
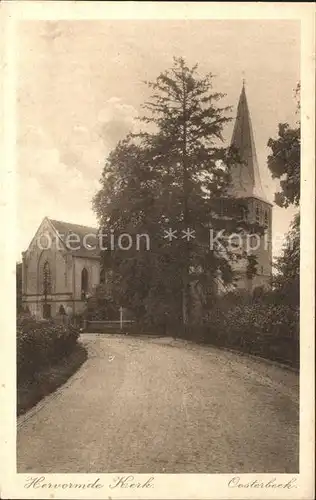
pixel 158 405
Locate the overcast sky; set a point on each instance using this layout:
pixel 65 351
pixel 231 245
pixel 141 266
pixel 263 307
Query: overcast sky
pixel 80 87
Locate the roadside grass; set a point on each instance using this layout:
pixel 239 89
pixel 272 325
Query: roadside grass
pixel 48 380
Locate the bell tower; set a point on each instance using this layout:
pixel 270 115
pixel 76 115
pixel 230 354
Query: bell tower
pixel 246 186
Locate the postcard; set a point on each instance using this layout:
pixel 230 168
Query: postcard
pixel 157 204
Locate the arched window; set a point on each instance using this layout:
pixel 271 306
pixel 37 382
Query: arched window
pixel 266 218
pixel 84 282
pixel 47 278
pixel 62 310
pixel 257 213
pixel 243 213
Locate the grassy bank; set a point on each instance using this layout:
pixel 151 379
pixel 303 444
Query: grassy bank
pixel 45 382
pixel 48 353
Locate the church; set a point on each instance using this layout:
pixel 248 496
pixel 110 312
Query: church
pixel 60 269
pixel 246 187
pixel 58 278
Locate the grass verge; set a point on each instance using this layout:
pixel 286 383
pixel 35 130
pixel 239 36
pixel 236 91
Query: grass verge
pixel 47 381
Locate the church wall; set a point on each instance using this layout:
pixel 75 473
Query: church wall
pixel 261 213
pixel 93 268
pixel 259 280
pixel 264 253
pixel 33 262
pixel 65 274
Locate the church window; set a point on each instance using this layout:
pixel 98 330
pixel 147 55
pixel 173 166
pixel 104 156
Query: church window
pixel 224 208
pixel 102 275
pixel 47 311
pixel 254 241
pixel 84 282
pixel 243 213
pixel 47 279
pixel 266 218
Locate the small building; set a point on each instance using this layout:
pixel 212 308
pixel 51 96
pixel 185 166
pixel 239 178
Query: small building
pixel 60 269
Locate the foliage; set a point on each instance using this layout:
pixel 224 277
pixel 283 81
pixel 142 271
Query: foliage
pixel 287 278
pixel 284 161
pixel 41 344
pixel 100 306
pixel 259 323
pixel 252 266
pixel 18 276
pixel 169 176
pixel 267 330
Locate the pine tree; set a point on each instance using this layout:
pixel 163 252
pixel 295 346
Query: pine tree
pixel 171 175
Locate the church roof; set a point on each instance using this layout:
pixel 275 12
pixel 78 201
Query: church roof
pixel 245 176
pixel 83 244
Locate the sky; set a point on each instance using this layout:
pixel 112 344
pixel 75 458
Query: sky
pixel 80 86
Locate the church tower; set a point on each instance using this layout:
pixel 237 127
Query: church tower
pixel 246 186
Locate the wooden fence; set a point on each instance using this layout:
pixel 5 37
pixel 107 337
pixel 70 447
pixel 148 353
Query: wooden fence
pixel 101 326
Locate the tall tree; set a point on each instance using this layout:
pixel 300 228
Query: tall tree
pixel 189 125
pixel 284 160
pixel 170 176
pixel 287 278
pixel 284 163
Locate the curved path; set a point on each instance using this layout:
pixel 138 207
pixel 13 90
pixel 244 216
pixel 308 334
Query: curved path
pixel 160 405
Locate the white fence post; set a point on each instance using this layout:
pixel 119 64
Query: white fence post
pixel 121 318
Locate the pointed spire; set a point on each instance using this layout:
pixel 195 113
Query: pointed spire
pixel 246 180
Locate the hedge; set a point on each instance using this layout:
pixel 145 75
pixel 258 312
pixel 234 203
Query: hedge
pixel 40 344
pixel 267 330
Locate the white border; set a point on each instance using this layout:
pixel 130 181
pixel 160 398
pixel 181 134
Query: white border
pixel 166 485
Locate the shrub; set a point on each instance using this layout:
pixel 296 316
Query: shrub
pixel 261 323
pixel 264 329
pixel 41 343
pixel 100 306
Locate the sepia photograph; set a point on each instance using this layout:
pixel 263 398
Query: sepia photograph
pixel 158 255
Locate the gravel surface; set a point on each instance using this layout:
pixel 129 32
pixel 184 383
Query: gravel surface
pixel 162 405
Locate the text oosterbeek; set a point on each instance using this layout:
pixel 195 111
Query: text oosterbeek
pixel 237 482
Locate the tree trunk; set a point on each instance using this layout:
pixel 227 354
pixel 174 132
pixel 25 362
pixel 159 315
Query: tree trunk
pixel 186 264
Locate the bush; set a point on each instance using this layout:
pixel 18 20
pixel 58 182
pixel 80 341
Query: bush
pixel 100 306
pixel 264 329
pixel 261 323
pixel 41 343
